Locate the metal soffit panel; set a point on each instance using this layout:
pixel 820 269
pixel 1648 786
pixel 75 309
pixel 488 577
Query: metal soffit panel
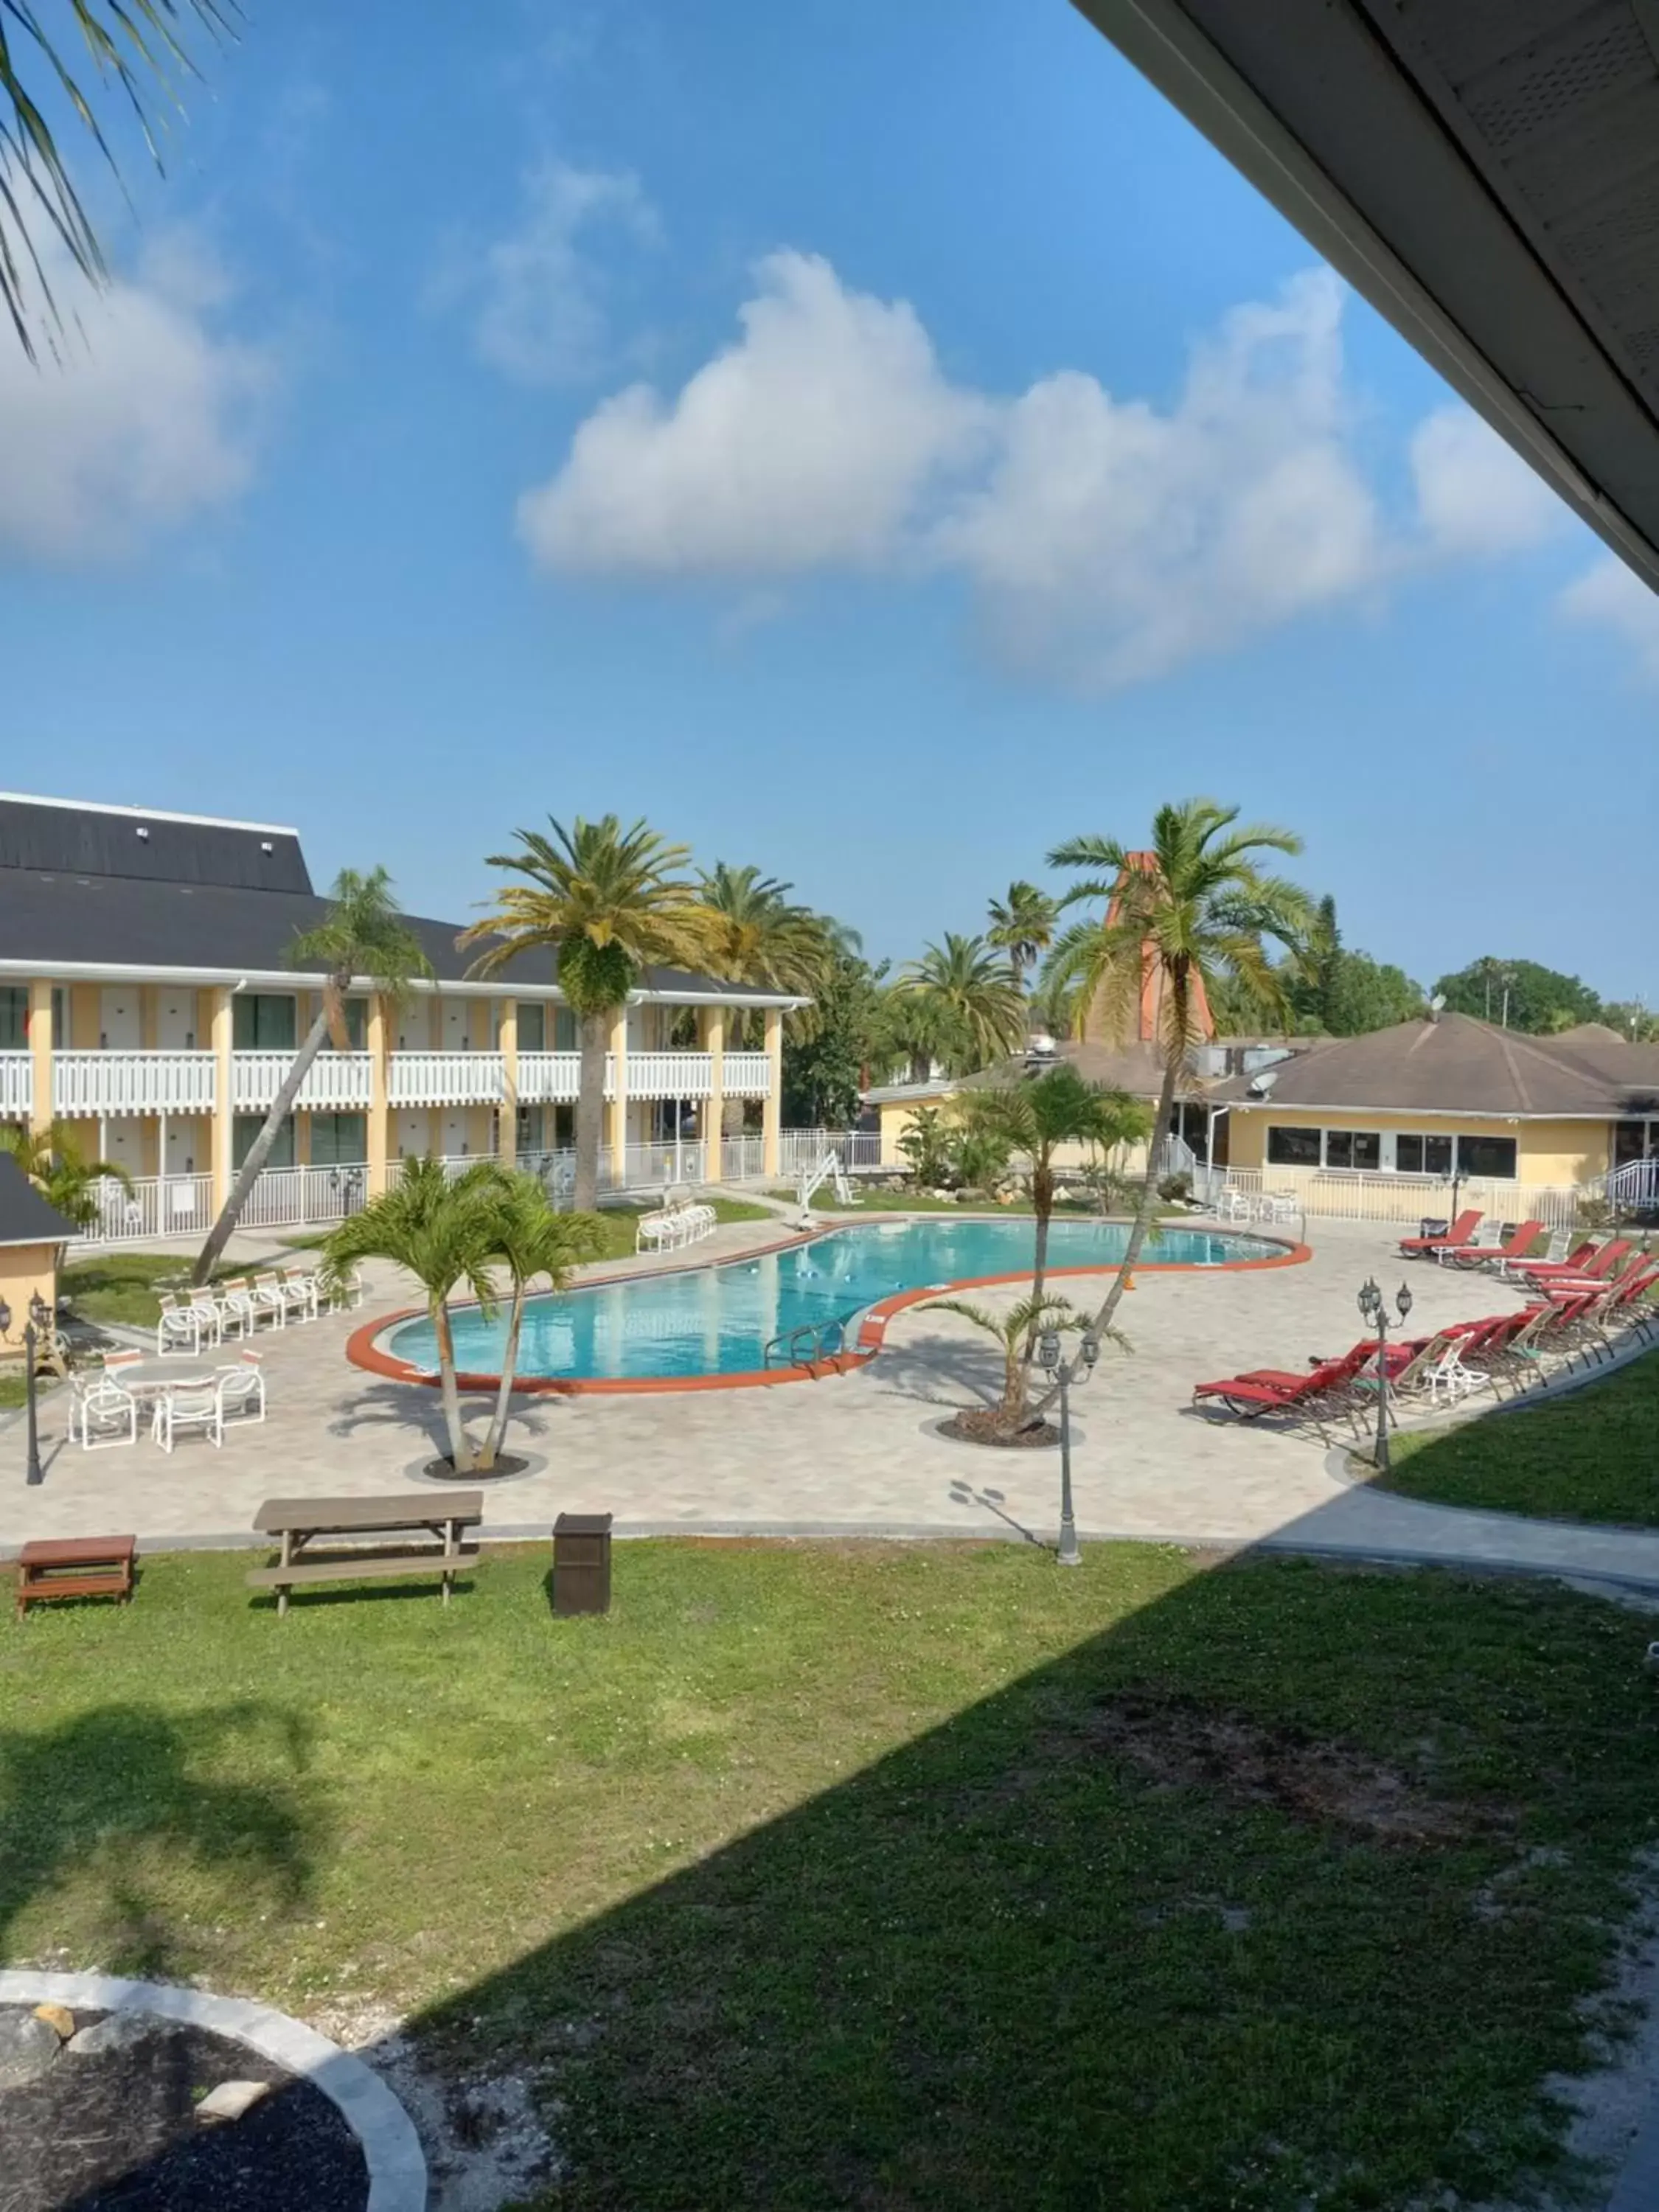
pixel 1486 173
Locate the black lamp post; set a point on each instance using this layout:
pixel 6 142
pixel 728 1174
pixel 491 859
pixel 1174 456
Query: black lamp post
pixel 40 1314
pixel 1065 1374
pixel 1373 1309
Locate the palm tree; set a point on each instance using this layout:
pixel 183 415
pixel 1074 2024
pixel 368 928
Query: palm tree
pixel 446 1234
pixel 53 1159
pixel 1015 1331
pixel 130 42
pixel 1199 906
pixel 608 902
pixel 1023 926
pixel 362 935
pixel 761 937
pixel 531 1241
pixel 1033 1116
pixel 962 1003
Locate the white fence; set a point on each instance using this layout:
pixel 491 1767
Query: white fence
pixel 549 1078
pixel 16 1084
pixel 156 1206
pixel 101 1082
pixel 298 1198
pixel 335 1082
pixel 445 1078
pixel 747 1074
pixel 674 1074
pixel 1324 1193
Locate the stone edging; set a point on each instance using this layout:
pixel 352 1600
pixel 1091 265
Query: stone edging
pixel 391 2150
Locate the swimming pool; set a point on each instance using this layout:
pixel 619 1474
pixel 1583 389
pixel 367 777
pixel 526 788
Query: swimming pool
pixel 704 1322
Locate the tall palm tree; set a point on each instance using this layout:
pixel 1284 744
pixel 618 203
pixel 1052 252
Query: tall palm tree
pixel 134 43
pixel 362 936
pixel 1199 905
pixel 445 1235
pixel 609 902
pixel 1023 926
pixel 761 937
pixel 53 1161
pixel 531 1241
pixel 963 1003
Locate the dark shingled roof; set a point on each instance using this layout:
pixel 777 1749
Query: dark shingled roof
pixel 51 920
pixel 25 1217
pixel 1459 1065
pixel 96 841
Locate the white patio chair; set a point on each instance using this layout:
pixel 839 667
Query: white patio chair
pixel 180 1326
pixel 658 1231
pixel 241 1390
pixel 300 1289
pixel 204 1303
pixel 195 1407
pixel 270 1298
pixel 349 1292
pixel 101 1413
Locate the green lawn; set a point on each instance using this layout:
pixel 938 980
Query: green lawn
pixel 122 1286
pixel 916 1876
pixel 14 1389
pixel 1589 1456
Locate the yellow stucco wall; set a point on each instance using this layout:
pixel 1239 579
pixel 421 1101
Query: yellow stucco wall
pixel 25 1269
pixel 1547 1152
pixel 895 1119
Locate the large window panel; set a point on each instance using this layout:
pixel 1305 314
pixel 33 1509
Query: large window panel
pixel 533 1027
pixel 262 1021
pixel 1486 1156
pixel 1293 1148
pixel 339 1140
pixel 246 1126
pixel 1353 1148
pixel 1422 1155
pixel 13 1020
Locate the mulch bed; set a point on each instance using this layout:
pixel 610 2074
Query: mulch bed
pixel 117 2131
pixel 979 1425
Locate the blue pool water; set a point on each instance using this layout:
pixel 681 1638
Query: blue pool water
pixel 720 1319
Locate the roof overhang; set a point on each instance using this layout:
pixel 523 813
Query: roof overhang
pixel 294 979
pixel 1487 177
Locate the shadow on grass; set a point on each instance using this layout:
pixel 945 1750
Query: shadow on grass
pixel 92 1798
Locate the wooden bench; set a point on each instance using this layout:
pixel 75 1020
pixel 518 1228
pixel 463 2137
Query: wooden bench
pixel 74 1567
pixel 299 1523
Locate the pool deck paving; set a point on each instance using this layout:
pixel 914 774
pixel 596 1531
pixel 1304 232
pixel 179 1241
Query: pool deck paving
pixel 852 1455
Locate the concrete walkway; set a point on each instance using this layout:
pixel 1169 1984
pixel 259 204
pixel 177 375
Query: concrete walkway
pixel 853 1454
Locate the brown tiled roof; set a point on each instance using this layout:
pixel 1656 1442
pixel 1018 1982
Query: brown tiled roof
pixel 1459 1065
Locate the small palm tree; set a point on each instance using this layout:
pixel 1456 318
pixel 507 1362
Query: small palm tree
pixel 761 937
pixel 965 1005
pixel 1032 1117
pixel 1023 926
pixel 364 934
pixel 1199 905
pixel 1016 1331
pixel 130 41
pixel 531 1241
pixel 52 1160
pixel 445 1235
pixel 609 902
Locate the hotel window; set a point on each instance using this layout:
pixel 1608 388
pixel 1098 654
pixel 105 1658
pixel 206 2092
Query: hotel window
pixel 1422 1155
pixel 1486 1156
pixel 1353 1148
pixel 339 1140
pixel 246 1126
pixel 262 1021
pixel 1293 1148
pixel 565 1038
pixel 533 1027
pixel 356 1023
pixel 13 1020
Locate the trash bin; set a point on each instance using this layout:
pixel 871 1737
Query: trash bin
pixel 1429 1226
pixel 581 1562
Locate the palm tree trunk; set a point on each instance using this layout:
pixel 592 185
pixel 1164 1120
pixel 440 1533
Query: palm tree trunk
pixel 460 1447
pixel 590 1109
pixel 1143 1220
pixel 1042 1205
pixel 253 1166
pixel 497 1435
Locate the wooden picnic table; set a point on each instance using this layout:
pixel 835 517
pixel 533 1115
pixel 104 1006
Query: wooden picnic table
pixel 74 1567
pixel 425 1527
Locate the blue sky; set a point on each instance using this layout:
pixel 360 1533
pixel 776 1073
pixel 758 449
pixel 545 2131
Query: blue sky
pixel 874 442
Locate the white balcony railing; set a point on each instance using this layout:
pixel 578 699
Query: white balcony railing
pixel 335 1082
pixel 673 1074
pixel 108 1083
pixel 549 1078
pixel 16 1084
pixel 447 1078
pixel 748 1074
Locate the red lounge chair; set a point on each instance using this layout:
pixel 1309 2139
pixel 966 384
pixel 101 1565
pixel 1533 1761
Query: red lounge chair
pixel 1459 1233
pixel 1519 1240
pixel 1250 1397
pixel 1595 1269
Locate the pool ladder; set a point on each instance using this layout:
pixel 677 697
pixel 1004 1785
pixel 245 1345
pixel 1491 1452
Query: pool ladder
pixel 814 1335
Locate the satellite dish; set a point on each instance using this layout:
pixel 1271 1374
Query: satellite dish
pixel 1262 1086
pixel 1437 1003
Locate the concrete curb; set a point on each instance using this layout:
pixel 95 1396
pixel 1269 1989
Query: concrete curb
pixel 391 2150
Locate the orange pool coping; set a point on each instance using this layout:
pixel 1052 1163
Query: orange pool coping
pixel 363 1350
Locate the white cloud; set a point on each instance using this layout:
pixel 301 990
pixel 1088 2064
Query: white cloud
pixel 542 316
pixel 1474 494
pixel 1106 540
pixel 144 418
pixel 1615 598
pixel 809 442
